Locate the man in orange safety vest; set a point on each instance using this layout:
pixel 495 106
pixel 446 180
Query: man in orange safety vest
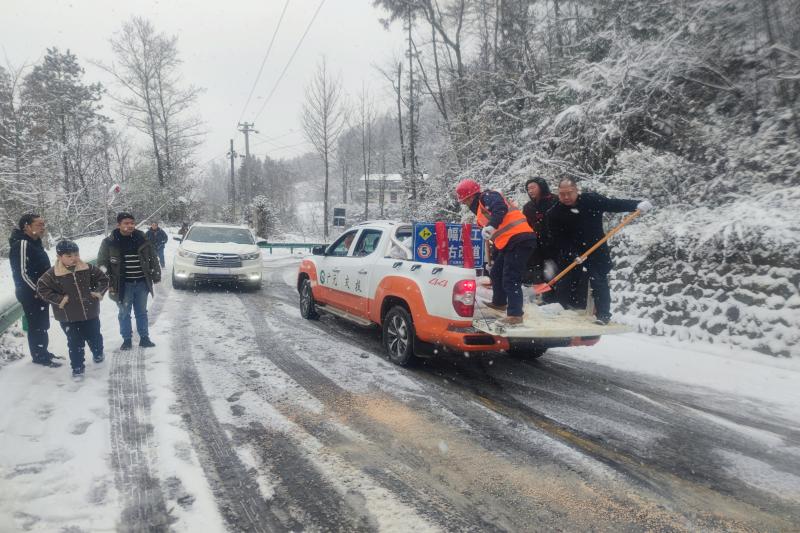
pixel 506 227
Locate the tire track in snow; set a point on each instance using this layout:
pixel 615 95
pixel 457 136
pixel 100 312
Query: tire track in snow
pixel 410 467
pixel 689 497
pixel 238 496
pixel 132 446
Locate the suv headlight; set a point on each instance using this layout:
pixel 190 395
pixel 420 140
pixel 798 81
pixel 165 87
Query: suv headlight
pixel 251 257
pixel 186 253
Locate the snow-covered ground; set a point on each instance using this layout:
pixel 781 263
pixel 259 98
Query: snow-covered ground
pixel 63 460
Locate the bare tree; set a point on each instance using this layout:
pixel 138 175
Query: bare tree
pixel 323 120
pixel 147 67
pixel 365 120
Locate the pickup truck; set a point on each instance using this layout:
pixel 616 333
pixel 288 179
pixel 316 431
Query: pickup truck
pixel 368 276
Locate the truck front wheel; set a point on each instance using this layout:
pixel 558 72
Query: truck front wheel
pixel 399 336
pixel 308 307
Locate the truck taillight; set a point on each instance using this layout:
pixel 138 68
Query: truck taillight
pixel 464 297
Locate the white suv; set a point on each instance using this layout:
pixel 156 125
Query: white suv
pixel 217 253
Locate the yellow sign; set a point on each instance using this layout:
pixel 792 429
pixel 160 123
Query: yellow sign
pixel 425 233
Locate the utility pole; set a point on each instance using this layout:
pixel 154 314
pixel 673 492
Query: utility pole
pixel 232 198
pixel 247 129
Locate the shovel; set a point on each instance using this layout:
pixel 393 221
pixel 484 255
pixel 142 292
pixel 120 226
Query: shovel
pixel 541 288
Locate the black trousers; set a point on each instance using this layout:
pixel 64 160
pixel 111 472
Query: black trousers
pixel 80 334
pixel 595 275
pixel 507 270
pixel 37 313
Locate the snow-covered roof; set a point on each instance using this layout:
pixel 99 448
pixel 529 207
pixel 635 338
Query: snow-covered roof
pixel 383 177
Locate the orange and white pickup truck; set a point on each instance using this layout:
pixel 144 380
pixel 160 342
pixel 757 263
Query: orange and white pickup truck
pixel 368 276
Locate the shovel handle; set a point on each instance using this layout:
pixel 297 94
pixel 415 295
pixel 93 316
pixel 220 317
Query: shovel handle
pixel 596 245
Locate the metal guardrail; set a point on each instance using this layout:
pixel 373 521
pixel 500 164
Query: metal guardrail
pixel 10 312
pixel 290 245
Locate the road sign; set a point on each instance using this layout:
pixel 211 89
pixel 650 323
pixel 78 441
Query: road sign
pixel 425 244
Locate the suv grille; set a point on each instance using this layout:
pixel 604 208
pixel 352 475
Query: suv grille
pixel 218 260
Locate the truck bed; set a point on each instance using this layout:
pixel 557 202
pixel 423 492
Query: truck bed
pixel 544 322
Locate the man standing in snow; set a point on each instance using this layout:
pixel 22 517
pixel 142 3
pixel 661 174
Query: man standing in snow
pixel 159 239
pixel 130 261
pixel 575 224
pixel 506 228
pixel 28 262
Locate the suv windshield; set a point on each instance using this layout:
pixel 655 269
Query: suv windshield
pixel 212 234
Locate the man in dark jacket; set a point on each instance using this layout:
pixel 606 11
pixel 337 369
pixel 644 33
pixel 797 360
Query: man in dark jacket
pixel 28 262
pixel 130 262
pixel 576 223
pixel 541 201
pixel 159 239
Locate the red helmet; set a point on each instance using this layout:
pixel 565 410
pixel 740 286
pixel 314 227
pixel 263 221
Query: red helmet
pixel 467 188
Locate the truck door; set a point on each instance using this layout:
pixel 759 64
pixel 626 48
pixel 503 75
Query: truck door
pixel 329 274
pixel 359 271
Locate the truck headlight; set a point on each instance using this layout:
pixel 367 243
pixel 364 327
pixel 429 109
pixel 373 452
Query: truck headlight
pixel 187 254
pixel 250 257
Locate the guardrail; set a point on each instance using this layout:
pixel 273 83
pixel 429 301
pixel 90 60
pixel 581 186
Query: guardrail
pixel 10 311
pixel 290 245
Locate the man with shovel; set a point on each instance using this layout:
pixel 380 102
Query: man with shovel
pixel 505 226
pixel 576 223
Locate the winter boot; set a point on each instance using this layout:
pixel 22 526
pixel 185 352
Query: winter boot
pixel 602 320
pixel 47 361
pixel 494 306
pixel 126 345
pixel 145 342
pixel 77 372
pixel 98 357
pixel 511 321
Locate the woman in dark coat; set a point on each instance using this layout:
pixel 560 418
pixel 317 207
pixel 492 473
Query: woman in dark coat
pixel 541 201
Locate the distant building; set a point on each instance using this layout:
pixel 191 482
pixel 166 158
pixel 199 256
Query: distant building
pixel 390 184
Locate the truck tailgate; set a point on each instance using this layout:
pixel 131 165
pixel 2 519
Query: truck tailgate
pixel 545 323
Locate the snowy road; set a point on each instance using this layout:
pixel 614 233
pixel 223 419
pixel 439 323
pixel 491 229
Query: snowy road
pixel 248 418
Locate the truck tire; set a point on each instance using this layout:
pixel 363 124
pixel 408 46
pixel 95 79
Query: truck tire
pixel 528 353
pixel 399 336
pixel 308 307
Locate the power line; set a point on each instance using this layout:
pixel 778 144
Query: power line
pixel 274 87
pixel 264 61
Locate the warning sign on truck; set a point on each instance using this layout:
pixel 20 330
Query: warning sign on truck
pixel 428 246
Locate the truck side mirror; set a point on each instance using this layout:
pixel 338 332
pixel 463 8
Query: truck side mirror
pixel 318 250
pixel 179 239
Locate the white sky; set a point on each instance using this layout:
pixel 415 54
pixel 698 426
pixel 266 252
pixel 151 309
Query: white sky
pixel 222 45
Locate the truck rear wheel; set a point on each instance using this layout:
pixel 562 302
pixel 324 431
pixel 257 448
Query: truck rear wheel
pixel 399 336
pixel 528 353
pixel 308 307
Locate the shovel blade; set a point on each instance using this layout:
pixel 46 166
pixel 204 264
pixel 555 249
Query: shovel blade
pixel 542 288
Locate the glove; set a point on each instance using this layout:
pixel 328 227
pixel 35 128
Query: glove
pixel 644 206
pixel 549 269
pixel 64 301
pixel 578 260
pixel 96 295
pixel 487 232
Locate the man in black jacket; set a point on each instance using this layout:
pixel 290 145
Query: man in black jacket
pixel 130 262
pixel 28 262
pixel 575 224
pixel 159 239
